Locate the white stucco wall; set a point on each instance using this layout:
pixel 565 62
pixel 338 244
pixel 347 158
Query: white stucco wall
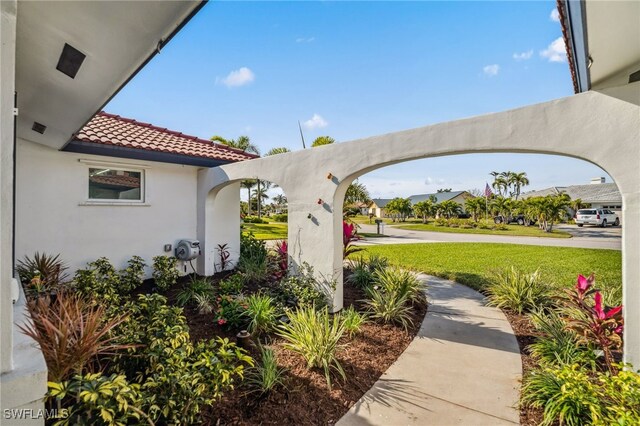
pixel 51 217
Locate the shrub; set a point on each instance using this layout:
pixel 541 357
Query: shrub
pixel 565 393
pixel 165 272
pixel 361 275
pixel 71 331
pixel 281 217
pixel 42 272
pixel 404 283
pixel 440 222
pixel 572 396
pixel 303 290
pixel 466 225
pixel 231 285
pixel 261 312
pixel 558 345
pixel 484 225
pixel 501 227
pixel 99 281
pixel 94 398
pixel 378 262
pixel 231 311
pixel 177 377
pixel 312 334
pixel 389 307
pixel 196 287
pixel 188 377
pixel 132 276
pixel 253 219
pixel 281 259
pixel 519 291
pixel 254 259
pixel 352 321
pixel 265 376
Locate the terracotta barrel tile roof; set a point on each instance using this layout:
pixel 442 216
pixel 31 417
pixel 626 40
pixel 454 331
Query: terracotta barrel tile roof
pixel 110 129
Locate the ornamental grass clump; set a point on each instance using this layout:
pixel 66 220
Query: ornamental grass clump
pixel 389 307
pixel 402 282
pixel 266 375
pixel 261 312
pixel 314 334
pixel 197 287
pixel 519 291
pixel 352 321
pixel 558 345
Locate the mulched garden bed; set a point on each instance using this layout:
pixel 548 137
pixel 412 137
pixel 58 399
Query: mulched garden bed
pixel 305 398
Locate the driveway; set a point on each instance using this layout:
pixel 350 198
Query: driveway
pixel 585 237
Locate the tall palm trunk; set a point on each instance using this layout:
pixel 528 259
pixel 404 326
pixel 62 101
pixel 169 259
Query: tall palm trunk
pixel 259 195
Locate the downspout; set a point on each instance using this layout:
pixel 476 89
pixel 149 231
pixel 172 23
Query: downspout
pixel 13 218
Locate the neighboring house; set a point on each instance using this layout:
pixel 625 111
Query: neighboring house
pixel 119 188
pixel 598 194
pixel 377 207
pixel 458 196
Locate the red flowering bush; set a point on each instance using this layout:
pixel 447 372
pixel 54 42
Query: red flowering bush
pixel 282 259
pixel 594 322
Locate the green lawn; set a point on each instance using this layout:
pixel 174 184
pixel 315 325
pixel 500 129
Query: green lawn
pixel 266 231
pixel 472 264
pixel 512 230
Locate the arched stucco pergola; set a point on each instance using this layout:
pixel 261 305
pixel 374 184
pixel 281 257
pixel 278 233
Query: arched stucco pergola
pixel 600 127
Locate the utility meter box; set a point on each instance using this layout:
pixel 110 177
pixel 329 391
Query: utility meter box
pixel 187 249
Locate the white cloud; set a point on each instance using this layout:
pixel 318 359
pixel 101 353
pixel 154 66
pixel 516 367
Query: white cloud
pixel 556 51
pixel 555 15
pixel 431 181
pixel 315 122
pixel 305 39
pixel 237 78
pixel 491 70
pixel 523 56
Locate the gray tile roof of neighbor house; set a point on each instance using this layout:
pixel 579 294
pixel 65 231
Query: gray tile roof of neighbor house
pixel 440 196
pixel 593 193
pixel 380 202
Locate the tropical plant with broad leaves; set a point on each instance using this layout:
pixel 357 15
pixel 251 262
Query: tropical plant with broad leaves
pixel 42 272
pixel 349 236
pixel 595 323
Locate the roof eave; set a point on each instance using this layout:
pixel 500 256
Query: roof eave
pixel 574 32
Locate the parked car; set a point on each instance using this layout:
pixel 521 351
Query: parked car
pixel 519 219
pixel 598 217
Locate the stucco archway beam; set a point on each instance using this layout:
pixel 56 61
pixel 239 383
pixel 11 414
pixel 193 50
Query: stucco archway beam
pixel 600 127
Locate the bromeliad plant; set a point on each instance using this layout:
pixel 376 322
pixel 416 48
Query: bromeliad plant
pixel 349 235
pixel 594 322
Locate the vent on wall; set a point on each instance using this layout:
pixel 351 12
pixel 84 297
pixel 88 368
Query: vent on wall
pixel 37 127
pixel 70 60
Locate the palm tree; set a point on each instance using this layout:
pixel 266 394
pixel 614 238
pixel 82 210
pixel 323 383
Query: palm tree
pixel 242 143
pixel 280 200
pixel 356 193
pixel 424 209
pixel 448 209
pixel 248 184
pixel 276 151
pixel 518 180
pixel 476 206
pixel 323 140
pixel 500 185
pixel 502 206
pixel 260 193
pixel 577 204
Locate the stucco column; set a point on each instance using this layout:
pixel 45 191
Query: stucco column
pixel 630 274
pixel 313 240
pixel 218 223
pixel 8 10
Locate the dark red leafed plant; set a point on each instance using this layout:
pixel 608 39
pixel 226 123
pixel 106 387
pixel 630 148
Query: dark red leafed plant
pixel 282 261
pixel 224 255
pixel 349 235
pixel 596 323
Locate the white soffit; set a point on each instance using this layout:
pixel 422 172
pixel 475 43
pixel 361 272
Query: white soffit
pixel 613 36
pixel 116 37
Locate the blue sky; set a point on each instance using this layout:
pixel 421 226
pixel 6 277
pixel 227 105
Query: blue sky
pixel 357 69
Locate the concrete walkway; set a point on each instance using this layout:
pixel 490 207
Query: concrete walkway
pixel 597 238
pixel 463 368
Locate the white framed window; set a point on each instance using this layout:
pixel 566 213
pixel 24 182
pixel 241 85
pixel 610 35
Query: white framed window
pixel 115 184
